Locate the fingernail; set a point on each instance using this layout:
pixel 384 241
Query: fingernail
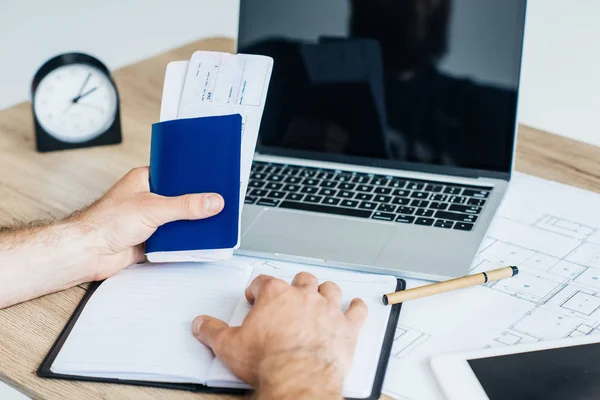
pixel 212 203
pixel 196 325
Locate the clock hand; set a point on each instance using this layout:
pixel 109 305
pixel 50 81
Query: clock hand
pixel 83 86
pixel 81 96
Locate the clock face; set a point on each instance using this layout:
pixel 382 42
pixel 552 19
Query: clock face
pixel 75 103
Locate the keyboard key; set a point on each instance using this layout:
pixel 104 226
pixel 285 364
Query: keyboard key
pixel 381 216
pixel 311 182
pixel 321 208
pixel 273 186
pixel 271 169
pixel 405 210
pixel 327 192
pixel 419 203
pixel 433 188
pixel 363 196
pixel 379 181
pixel 365 188
pixel 342 177
pixel 415 186
pixel 313 199
pixel 397 184
pixel 457 199
pixel 364 179
pixel 440 197
pixel 268 202
pixel 331 201
pixel 461 226
pixel 452 190
pixel 349 203
pixel 386 208
pixel 324 175
pixel 382 199
pixel 257 184
pixel 250 200
pixel 308 172
pixel 423 212
pixel 382 190
pixel 289 171
pixel 456 216
pixel 476 202
pixel 345 194
pixel 275 178
pixel 405 219
pixel 424 221
pixel 401 201
pixel 401 193
pixel 258 193
pixel 295 196
pixel 346 186
pixel 440 223
pixel 367 205
pixel 293 180
pixel 276 195
pixel 309 189
pixel 420 195
pixel 291 188
pixel 465 209
pixel 258 176
pixel 438 206
pixel 328 184
pixel 480 194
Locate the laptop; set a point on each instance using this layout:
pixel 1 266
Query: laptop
pixel 388 137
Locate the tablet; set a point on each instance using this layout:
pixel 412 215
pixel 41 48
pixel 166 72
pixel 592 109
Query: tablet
pixel 557 370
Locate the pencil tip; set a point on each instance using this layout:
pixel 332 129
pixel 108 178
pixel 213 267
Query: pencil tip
pixel 385 300
pixel 515 270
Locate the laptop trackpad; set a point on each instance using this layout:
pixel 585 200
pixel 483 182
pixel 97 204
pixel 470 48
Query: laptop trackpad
pixel 323 237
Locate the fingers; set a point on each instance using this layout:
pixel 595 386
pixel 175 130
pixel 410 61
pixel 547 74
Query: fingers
pixel 208 330
pixel 306 280
pixel 357 312
pixel 186 207
pixel 331 291
pixel 265 286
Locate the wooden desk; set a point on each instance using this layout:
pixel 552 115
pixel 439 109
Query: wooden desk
pixel 34 186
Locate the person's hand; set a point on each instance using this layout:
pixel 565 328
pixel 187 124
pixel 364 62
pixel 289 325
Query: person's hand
pixel 294 338
pixel 117 225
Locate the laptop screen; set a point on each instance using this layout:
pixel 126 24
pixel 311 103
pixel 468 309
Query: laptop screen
pixel 394 83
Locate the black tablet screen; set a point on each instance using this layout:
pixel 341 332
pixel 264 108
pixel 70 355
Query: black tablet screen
pixel 569 373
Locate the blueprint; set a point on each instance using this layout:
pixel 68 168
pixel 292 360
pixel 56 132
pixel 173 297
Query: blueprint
pixel 552 232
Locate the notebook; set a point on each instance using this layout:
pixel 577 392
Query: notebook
pixel 135 328
pixel 212 84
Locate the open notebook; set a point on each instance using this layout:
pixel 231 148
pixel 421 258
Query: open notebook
pixel 136 326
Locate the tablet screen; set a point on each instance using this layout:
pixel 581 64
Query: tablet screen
pixel 571 373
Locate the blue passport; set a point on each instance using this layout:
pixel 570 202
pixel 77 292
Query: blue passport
pixel 197 155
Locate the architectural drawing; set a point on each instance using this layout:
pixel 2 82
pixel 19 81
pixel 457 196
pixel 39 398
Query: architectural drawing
pixel 552 233
pixel 407 339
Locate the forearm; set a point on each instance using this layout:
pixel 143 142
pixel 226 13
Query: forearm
pixel 298 375
pixel 37 260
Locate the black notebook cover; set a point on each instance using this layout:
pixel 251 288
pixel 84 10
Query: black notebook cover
pixel 45 372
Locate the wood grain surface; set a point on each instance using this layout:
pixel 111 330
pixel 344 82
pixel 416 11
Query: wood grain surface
pixel 52 185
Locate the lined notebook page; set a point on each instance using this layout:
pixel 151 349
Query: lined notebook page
pixel 137 325
pixel 370 288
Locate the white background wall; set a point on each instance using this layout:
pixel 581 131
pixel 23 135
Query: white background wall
pixel 561 69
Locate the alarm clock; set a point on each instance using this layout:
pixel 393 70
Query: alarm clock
pixel 75 104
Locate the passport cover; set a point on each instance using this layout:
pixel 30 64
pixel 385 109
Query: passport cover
pixel 197 155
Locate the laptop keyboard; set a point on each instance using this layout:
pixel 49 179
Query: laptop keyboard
pixel 383 198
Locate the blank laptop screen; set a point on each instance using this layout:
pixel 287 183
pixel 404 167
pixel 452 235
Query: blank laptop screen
pixel 395 83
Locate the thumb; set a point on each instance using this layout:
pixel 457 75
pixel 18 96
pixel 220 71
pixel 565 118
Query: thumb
pixel 186 207
pixel 208 329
